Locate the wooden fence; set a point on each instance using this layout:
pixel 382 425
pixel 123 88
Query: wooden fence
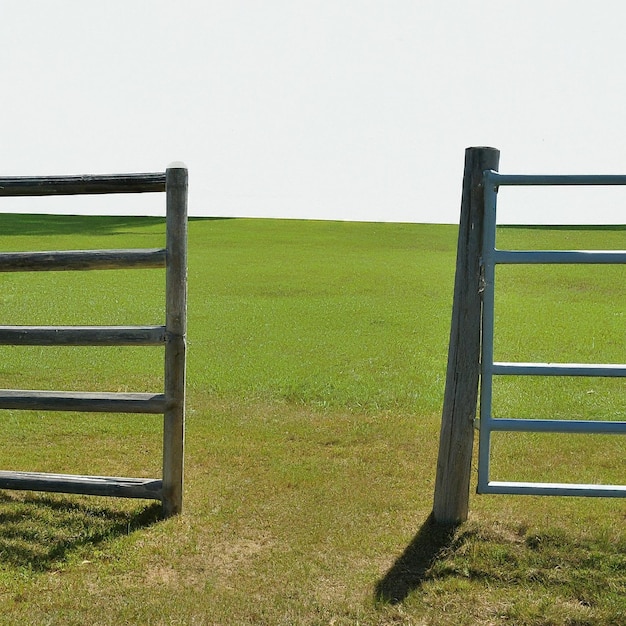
pixel 172 336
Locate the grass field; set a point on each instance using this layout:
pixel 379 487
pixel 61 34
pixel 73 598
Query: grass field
pixel 316 366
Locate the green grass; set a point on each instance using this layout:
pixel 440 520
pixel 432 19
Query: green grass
pixel 317 356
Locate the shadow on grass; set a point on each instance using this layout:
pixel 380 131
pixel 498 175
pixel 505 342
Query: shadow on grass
pixel 40 532
pixel 33 224
pixel 36 224
pixel 411 569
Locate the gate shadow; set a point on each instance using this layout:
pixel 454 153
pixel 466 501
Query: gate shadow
pixel 39 532
pixel 411 568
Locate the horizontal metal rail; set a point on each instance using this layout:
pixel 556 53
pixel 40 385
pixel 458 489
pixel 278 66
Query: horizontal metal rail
pixel 506 424
pixel 113 486
pixel 81 260
pixel 81 185
pixel 598 257
pixel 90 402
pixel 489 424
pixel 553 489
pixel 82 335
pixel 525 180
pixel 559 369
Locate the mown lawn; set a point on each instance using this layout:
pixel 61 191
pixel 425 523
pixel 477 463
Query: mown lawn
pixel 317 357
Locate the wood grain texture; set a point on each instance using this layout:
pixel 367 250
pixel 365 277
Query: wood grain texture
pixel 86 184
pixel 451 498
pixel 90 402
pixel 148 488
pixel 175 347
pixel 60 260
pixel 82 335
pixel 171 403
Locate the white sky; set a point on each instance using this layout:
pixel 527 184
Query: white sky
pixel 331 109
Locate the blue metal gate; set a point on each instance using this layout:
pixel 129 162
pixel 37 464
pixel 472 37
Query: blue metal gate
pixel 488 423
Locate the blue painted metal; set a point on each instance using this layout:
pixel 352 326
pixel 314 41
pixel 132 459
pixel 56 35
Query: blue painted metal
pixel 558 369
pixel 489 368
pixel 486 369
pixel 557 489
pixel 519 425
pixel 495 178
pixel 559 256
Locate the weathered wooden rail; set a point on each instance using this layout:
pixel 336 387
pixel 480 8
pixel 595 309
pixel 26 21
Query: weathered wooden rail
pixel 172 336
pixel 80 260
pixel 82 335
pixel 82 185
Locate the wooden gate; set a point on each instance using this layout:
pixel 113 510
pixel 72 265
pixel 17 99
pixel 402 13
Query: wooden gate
pixel 172 336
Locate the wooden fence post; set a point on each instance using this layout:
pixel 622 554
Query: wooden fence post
pixel 454 463
pixel 175 347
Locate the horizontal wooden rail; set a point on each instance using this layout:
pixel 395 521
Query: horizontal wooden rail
pixel 81 260
pixel 81 185
pixel 82 335
pixel 112 486
pixel 92 402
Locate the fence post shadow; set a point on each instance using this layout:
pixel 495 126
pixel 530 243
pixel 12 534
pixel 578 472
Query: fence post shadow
pixel 39 532
pixel 411 568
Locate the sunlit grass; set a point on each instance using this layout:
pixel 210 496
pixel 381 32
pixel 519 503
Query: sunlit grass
pixel 332 315
pixel 316 367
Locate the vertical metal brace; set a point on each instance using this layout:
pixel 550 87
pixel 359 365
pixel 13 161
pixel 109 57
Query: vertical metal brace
pixel 487 329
